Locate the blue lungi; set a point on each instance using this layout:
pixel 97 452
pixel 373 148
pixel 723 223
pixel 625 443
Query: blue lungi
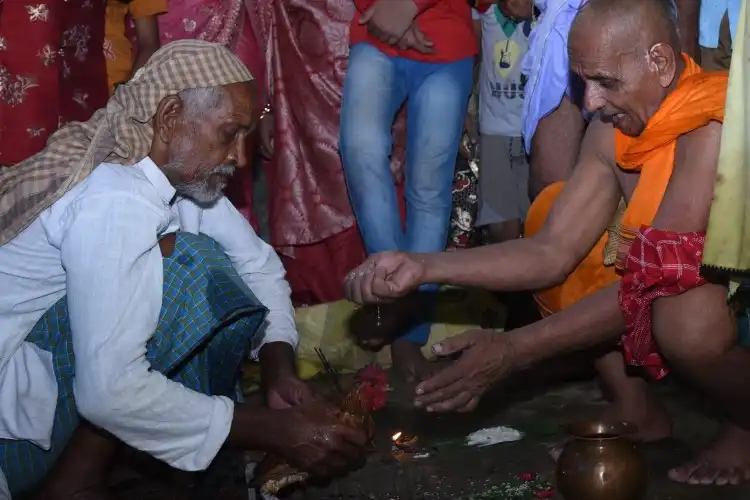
pixel 208 317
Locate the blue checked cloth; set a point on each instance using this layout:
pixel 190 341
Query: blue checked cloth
pixel 208 318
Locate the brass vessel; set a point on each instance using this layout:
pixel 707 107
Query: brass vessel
pixel 601 463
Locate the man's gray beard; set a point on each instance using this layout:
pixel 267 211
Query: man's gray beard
pixel 198 190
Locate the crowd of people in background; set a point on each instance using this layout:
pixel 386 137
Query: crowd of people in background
pixel 367 113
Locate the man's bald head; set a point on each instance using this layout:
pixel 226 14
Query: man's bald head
pixel 628 54
pixel 634 22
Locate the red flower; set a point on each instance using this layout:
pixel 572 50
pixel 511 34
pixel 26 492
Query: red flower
pixel 374 395
pixel 527 476
pixel 374 375
pixel 548 493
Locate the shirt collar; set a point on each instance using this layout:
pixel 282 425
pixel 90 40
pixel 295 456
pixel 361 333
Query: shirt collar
pixel 156 177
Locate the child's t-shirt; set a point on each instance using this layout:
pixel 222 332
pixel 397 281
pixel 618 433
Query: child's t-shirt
pixel 501 83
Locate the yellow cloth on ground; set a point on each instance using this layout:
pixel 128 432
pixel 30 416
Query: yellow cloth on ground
pixel 326 326
pixel 728 236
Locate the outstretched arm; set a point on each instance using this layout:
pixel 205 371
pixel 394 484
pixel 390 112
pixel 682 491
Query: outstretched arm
pixel 597 318
pixel 577 220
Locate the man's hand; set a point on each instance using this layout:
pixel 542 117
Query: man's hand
pixel 316 441
pixel 266 133
pixel 486 357
pixel 471 137
pixel 283 388
pixel 288 391
pixel 388 20
pixel 383 277
pixel 414 39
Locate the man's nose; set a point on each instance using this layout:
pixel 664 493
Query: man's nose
pixel 592 101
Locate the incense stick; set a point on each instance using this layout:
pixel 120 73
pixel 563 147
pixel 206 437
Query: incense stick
pixel 330 370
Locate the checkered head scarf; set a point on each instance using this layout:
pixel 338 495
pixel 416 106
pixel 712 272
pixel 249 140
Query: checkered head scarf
pixel 120 133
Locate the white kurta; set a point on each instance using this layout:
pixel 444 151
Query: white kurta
pixel 99 245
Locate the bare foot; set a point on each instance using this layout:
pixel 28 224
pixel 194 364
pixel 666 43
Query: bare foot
pixel 409 362
pixel 725 461
pixel 640 408
pixel 645 412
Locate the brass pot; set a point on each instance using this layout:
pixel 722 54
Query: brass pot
pixel 601 463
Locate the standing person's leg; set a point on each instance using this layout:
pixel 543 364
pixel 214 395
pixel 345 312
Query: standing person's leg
pixel 521 306
pixel 502 205
pixel 438 96
pixel 373 92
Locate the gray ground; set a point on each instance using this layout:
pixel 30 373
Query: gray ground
pixel 459 473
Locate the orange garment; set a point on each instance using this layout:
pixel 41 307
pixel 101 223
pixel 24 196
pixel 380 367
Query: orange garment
pixel 698 99
pixel 118 50
pixel 590 276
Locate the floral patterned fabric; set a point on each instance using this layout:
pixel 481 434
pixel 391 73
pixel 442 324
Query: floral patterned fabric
pixel 462 233
pixel 52 70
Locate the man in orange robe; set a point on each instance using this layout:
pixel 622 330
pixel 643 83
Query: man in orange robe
pixel 655 145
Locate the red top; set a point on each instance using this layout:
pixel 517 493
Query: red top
pixel 447 23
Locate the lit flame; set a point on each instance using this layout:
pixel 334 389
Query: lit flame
pixel 396 436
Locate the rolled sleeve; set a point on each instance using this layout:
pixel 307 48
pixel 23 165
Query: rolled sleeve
pixel 114 282
pixel 260 268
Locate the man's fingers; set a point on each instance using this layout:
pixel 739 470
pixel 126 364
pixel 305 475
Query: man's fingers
pixel 455 403
pixel 347 449
pixel 407 41
pixel 368 297
pixel 421 42
pixel 440 395
pixel 357 288
pixel 353 436
pixel 424 49
pixel 350 283
pixel 421 37
pixel 381 287
pixel 442 381
pixel 470 406
pixel 454 344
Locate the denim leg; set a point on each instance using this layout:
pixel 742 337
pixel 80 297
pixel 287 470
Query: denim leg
pixel 374 90
pixel 438 99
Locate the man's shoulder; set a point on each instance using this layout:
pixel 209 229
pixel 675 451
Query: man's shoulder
pixel 115 179
pixel 111 184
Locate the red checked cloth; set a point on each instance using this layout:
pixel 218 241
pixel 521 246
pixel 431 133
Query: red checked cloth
pixel 659 264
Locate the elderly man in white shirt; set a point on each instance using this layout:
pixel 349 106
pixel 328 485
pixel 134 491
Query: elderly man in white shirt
pixel 129 292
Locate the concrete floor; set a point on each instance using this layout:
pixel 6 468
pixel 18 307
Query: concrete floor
pixel 462 473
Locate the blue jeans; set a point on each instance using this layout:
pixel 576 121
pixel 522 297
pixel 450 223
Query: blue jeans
pixel 436 96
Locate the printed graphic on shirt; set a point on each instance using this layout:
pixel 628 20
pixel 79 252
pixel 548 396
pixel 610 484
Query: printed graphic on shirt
pixel 507 55
pixel 504 45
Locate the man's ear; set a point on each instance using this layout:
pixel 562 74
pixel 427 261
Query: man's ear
pixel 168 113
pixel 664 61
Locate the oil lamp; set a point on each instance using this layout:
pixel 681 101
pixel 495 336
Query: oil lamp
pixel 403 441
